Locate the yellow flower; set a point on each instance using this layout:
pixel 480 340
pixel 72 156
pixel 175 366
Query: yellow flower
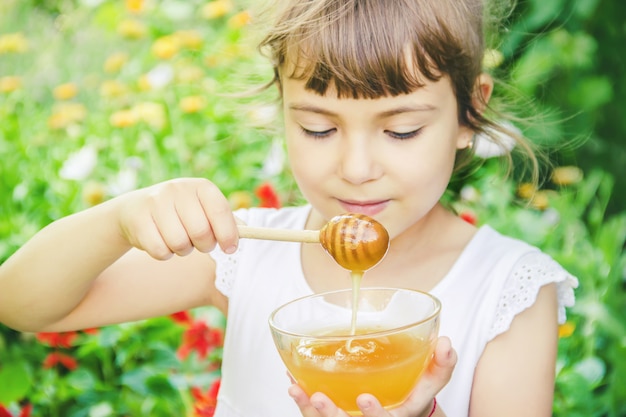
pixel 132 29
pixel 151 113
pixel 189 39
pixel 115 62
pixel 540 200
pixel 66 114
pixel 93 193
pixel 216 9
pixel 123 118
pixel 113 88
pixel 190 74
pixel 192 104
pixel 566 329
pixel 567 175
pixel 9 84
pixel 239 20
pixel 65 91
pixel 135 6
pixel 144 83
pixel 526 190
pixel 13 43
pixel 492 59
pixel 240 199
pixel 165 47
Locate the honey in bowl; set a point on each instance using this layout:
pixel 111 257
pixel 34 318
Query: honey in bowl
pixel 385 355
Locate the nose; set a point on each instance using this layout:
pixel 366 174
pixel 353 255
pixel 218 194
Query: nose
pixel 358 161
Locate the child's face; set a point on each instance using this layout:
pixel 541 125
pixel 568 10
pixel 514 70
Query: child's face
pixel 390 158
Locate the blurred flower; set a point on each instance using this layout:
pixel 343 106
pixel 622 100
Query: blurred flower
pixel 135 6
pixel 13 43
pixel 66 114
pixel 151 113
pixel 113 88
pixel 566 329
pixel 65 91
pixel 79 165
pixel 58 339
pixel 57 358
pixel 240 199
pixel 165 47
pixel 182 317
pixel 201 338
pixel 267 196
pixel 192 104
pixel 492 59
pixel 567 175
pixel 486 147
pixel 205 403
pixel 263 115
pixel 189 74
pixel 115 62
pixel 189 39
pixel 540 200
pixel 217 8
pixel 9 84
pixel 25 410
pixel 126 179
pixel 159 76
pixel 93 193
pixel 132 29
pixel 469 217
pixel 274 161
pixel 526 190
pixel 123 118
pixel 239 20
pixel 469 193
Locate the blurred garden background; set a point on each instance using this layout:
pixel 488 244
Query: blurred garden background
pixel 99 97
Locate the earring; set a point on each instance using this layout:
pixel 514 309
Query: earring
pixel 472 142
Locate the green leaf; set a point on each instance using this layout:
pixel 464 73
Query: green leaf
pixel 15 381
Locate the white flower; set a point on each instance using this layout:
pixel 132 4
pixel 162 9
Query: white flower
pixel 127 179
pixel 485 147
pixel 274 161
pixel 160 76
pixel 79 165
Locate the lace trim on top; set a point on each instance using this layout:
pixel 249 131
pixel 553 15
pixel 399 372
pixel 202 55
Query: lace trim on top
pixel 521 288
pixel 225 269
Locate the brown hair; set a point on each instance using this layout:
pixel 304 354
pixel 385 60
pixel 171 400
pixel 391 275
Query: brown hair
pixel 372 48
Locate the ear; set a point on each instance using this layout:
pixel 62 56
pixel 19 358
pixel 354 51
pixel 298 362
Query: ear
pixel 480 97
pixel 482 91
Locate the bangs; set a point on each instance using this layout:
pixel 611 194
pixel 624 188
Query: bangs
pixel 353 53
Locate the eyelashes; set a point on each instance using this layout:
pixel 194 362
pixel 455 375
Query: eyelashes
pixel 321 134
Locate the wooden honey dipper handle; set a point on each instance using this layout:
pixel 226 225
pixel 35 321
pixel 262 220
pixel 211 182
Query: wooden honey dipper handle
pixel 285 235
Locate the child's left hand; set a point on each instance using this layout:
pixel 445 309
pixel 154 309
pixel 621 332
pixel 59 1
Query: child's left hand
pixel 419 402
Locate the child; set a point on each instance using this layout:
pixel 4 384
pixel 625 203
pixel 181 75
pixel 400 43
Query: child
pixel 381 100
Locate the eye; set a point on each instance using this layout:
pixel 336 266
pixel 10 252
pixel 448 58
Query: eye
pixel 403 135
pixel 317 133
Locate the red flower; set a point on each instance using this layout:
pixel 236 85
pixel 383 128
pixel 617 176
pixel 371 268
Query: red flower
pixel 64 339
pixel 201 338
pixel 57 358
pixel 182 317
pixel 25 411
pixel 268 196
pixel 469 217
pixel 92 331
pixel 205 403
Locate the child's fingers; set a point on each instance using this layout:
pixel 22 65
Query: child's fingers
pixel 302 401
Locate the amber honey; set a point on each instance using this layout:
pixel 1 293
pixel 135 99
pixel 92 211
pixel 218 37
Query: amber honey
pixel 387 366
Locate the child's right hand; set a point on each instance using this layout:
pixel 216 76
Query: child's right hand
pixel 176 216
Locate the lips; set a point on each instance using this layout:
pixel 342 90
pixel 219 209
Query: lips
pixel 369 208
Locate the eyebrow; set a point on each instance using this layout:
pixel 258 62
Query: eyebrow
pixel 387 113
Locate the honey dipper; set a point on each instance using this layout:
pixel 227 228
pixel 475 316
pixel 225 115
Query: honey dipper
pixel 356 241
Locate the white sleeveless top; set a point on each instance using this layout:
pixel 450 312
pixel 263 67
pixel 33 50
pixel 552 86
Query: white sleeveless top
pixel 494 279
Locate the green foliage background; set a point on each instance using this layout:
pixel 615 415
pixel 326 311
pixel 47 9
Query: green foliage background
pixel 565 55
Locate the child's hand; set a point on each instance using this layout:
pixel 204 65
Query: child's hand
pixel 419 402
pixel 176 216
